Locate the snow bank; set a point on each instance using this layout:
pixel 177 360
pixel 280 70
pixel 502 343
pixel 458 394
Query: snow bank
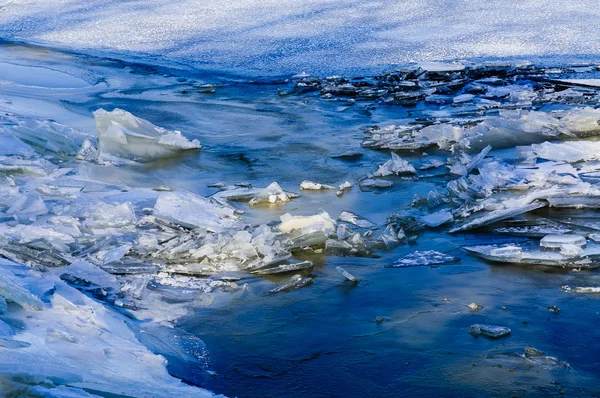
pixel 315 35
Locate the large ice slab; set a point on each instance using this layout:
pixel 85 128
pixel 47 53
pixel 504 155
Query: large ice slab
pixel 122 134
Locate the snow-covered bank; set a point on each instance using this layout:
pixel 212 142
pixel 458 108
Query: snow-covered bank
pixel 321 36
pixel 69 345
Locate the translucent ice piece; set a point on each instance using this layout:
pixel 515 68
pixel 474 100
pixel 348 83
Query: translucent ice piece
pixel 347 275
pixel 507 251
pixel 10 290
pixel 271 194
pixel 493 331
pixel 498 215
pixel 556 241
pixel 87 152
pixel 580 289
pixel 295 282
pixel 122 134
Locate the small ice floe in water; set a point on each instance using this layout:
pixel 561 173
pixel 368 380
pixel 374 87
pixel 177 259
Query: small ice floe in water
pixel 271 194
pixel 419 258
pixel 295 282
pixel 122 134
pixel 283 268
pixel 347 275
pixel 474 307
pixel 492 331
pixel 587 289
pixel 395 166
pixel 351 218
pixel 553 308
pixel 531 359
pixel 343 188
pixel 314 186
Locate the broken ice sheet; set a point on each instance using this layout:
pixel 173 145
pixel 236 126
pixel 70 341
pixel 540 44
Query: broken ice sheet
pixel 192 211
pixel 122 134
pixel 351 218
pixel 420 258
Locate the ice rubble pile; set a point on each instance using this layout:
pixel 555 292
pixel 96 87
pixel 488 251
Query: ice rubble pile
pixel 547 121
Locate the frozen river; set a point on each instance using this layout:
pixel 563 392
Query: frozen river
pixel 181 279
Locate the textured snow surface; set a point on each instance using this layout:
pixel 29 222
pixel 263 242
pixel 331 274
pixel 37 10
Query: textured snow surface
pixel 312 35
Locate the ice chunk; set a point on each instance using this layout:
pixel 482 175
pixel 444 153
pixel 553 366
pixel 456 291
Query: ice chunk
pixel 474 307
pixel 395 166
pixel 305 265
pixel 314 186
pixel 419 258
pixel 556 241
pixel 347 275
pixel 571 151
pixel 271 194
pixel 122 134
pixel 343 188
pixel 106 215
pixel 193 211
pixel 492 331
pixel 321 221
pixel 351 218
pixel 295 282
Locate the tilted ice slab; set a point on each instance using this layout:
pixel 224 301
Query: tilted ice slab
pixel 588 257
pixel 122 134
